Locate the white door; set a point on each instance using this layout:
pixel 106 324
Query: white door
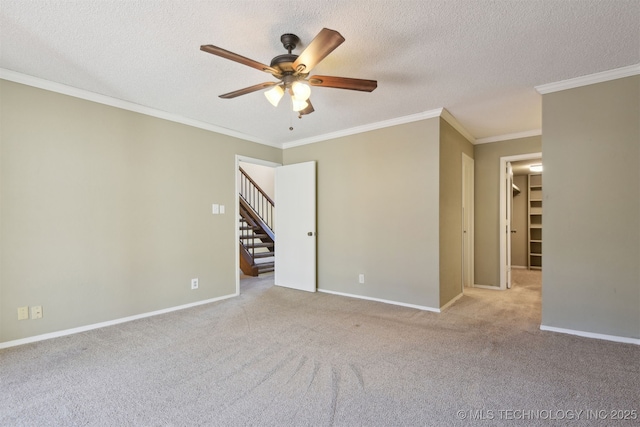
pixel 295 219
pixel 467 221
pixel 507 225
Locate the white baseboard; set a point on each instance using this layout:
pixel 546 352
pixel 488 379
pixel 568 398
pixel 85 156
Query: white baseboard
pixel 492 288
pixel 72 331
pixel 518 267
pixel 450 303
pixel 418 307
pixel 614 338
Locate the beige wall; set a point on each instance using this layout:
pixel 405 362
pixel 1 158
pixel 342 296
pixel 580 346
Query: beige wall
pixel 591 234
pixel 378 212
pixel 452 145
pixel 106 213
pixel 519 223
pixel 487 203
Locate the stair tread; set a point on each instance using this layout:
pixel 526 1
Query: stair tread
pixel 259 245
pixel 265 268
pixel 263 255
pixel 255 236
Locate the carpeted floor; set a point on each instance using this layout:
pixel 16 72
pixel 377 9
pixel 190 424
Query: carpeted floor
pixel 279 357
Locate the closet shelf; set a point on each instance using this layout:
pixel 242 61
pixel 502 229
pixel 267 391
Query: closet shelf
pixel 534 216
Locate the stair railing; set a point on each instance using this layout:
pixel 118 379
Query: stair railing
pixel 255 197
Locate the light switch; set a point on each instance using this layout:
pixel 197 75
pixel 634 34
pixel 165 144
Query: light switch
pixel 215 209
pixel 221 209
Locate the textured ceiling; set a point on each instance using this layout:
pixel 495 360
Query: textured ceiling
pixel 478 59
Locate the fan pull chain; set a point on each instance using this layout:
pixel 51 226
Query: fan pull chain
pixel 291 117
pixel 290 122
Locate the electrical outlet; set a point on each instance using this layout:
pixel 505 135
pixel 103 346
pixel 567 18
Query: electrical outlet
pixel 361 278
pixel 36 312
pixel 194 283
pixel 23 313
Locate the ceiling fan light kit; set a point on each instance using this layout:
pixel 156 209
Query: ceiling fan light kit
pixel 274 95
pixel 293 71
pixel 301 91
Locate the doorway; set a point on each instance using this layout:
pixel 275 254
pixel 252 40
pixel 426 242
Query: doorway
pixel 262 173
pixel 507 227
pixel 294 251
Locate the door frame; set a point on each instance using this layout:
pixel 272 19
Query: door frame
pixel 502 236
pixel 239 158
pixel 468 206
pixel 508 217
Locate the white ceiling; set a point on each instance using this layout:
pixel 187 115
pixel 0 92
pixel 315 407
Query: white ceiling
pixel 478 59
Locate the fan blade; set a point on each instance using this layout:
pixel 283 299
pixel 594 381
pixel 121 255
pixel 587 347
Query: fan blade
pixel 343 83
pixel 321 46
pixel 218 51
pixel 249 89
pixel 308 110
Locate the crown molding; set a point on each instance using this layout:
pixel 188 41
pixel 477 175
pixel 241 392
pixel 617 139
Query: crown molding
pixel 60 88
pixel 130 106
pixel 509 136
pixel 448 117
pixel 604 76
pixel 365 128
pixel 430 114
pixel 63 89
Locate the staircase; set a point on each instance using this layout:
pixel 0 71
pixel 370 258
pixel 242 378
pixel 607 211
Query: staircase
pixel 257 239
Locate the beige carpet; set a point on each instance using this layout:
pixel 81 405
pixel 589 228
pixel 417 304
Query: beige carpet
pixel 280 357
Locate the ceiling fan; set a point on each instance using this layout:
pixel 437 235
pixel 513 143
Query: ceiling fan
pixel 292 71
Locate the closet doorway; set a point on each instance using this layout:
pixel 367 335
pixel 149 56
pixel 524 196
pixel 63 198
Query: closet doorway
pixel 520 215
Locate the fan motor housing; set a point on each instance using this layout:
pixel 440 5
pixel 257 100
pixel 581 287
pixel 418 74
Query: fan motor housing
pixel 284 62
